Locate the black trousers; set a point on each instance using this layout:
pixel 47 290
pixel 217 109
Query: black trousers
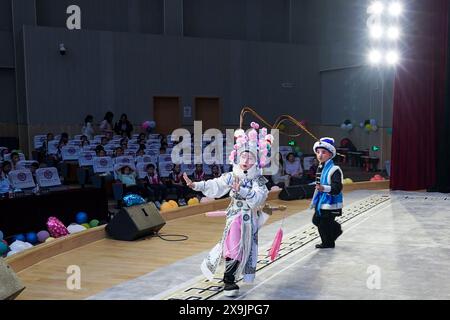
pixel 230 268
pixel 329 229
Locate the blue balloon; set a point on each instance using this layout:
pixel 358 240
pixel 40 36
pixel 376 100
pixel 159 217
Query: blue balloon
pixel 152 124
pixel 132 200
pixel 19 237
pixel 32 237
pixel 1 235
pixel 3 248
pixel 81 217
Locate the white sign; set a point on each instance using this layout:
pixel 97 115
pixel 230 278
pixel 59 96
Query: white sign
pixel 86 158
pixel 103 164
pixel 21 179
pixel 48 177
pixel 70 152
pixel 25 164
pixel 124 160
pixel 52 147
pixel 39 141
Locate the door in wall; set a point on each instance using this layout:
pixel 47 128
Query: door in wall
pixel 208 111
pixel 167 114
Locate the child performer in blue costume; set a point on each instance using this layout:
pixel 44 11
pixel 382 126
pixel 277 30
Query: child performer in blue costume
pixel 327 200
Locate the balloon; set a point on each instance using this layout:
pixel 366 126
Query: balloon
pixel 348 181
pixel 343 126
pixel 49 239
pixel 19 246
pixel 193 201
pixel 361 125
pixel 132 200
pixel 373 122
pixel 81 217
pixel 375 128
pixel 368 127
pixel 347 122
pixel 349 127
pixel 3 248
pixel 86 225
pixel 389 131
pixel 42 236
pixel 145 125
pixel 74 228
pixel 206 199
pixel 152 124
pixel 166 206
pixel 173 204
pixel 32 238
pixel 56 228
pixel 94 223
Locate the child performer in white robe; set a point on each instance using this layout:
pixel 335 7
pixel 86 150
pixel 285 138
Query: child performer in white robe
pixel 248 192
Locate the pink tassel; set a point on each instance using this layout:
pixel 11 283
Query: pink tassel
pixel 254 125
pixel 273 253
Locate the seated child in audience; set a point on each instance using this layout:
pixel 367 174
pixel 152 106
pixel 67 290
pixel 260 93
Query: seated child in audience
pixel 84 141
pixel 124 143
pixel 142 136
pixel 6 168
pixel 127 176
pixel 162 150
pixel 156 188
pixel 15 158
pixel 215 171
pixel 2 154
pixel 140 152
pixel 177 182
pixel 199 174
pixel 104 141
pixel 293 168
pixel 281 179
pixel 118 152
pixel 100 151
pixel 5 185
pixel 313 170
pixel 34 166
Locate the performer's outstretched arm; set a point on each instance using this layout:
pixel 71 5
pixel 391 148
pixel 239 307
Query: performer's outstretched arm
pixel 214 188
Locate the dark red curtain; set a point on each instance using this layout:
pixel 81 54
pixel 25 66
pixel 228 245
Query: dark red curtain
pixel 419 95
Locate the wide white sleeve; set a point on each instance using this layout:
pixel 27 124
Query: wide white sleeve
pixel 215 188
pixel 257 195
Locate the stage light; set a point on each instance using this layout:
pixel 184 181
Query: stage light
pixel 375 57
pixel 376 32
pixel 376 7
pixel 392 57
pixel 395 9
pixel 393 33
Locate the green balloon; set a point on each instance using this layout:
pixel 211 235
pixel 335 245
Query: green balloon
pixel 86 225
pixel 94 223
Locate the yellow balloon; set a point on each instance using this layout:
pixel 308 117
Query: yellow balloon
pixel 166 206
pixel 193 201
pixel 173 203
pixel 49 239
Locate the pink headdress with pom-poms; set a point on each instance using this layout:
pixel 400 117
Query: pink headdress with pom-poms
pixel 256 141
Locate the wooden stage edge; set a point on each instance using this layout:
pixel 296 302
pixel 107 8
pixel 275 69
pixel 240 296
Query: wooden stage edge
pixel 27 258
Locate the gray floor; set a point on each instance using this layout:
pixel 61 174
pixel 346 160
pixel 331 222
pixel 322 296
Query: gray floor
pixel 400 250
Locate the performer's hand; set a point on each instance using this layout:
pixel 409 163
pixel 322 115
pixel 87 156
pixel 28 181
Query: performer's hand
pixel 320 187
pixel 236 185
pixel 189 182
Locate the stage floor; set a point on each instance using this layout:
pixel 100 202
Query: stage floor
pixel 395 246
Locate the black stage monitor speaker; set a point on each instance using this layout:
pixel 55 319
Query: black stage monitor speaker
pixel 10 285
pixel 135 222
pixel 299 192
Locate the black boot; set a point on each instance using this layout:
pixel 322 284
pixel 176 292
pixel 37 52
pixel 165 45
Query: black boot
pixel 231 289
